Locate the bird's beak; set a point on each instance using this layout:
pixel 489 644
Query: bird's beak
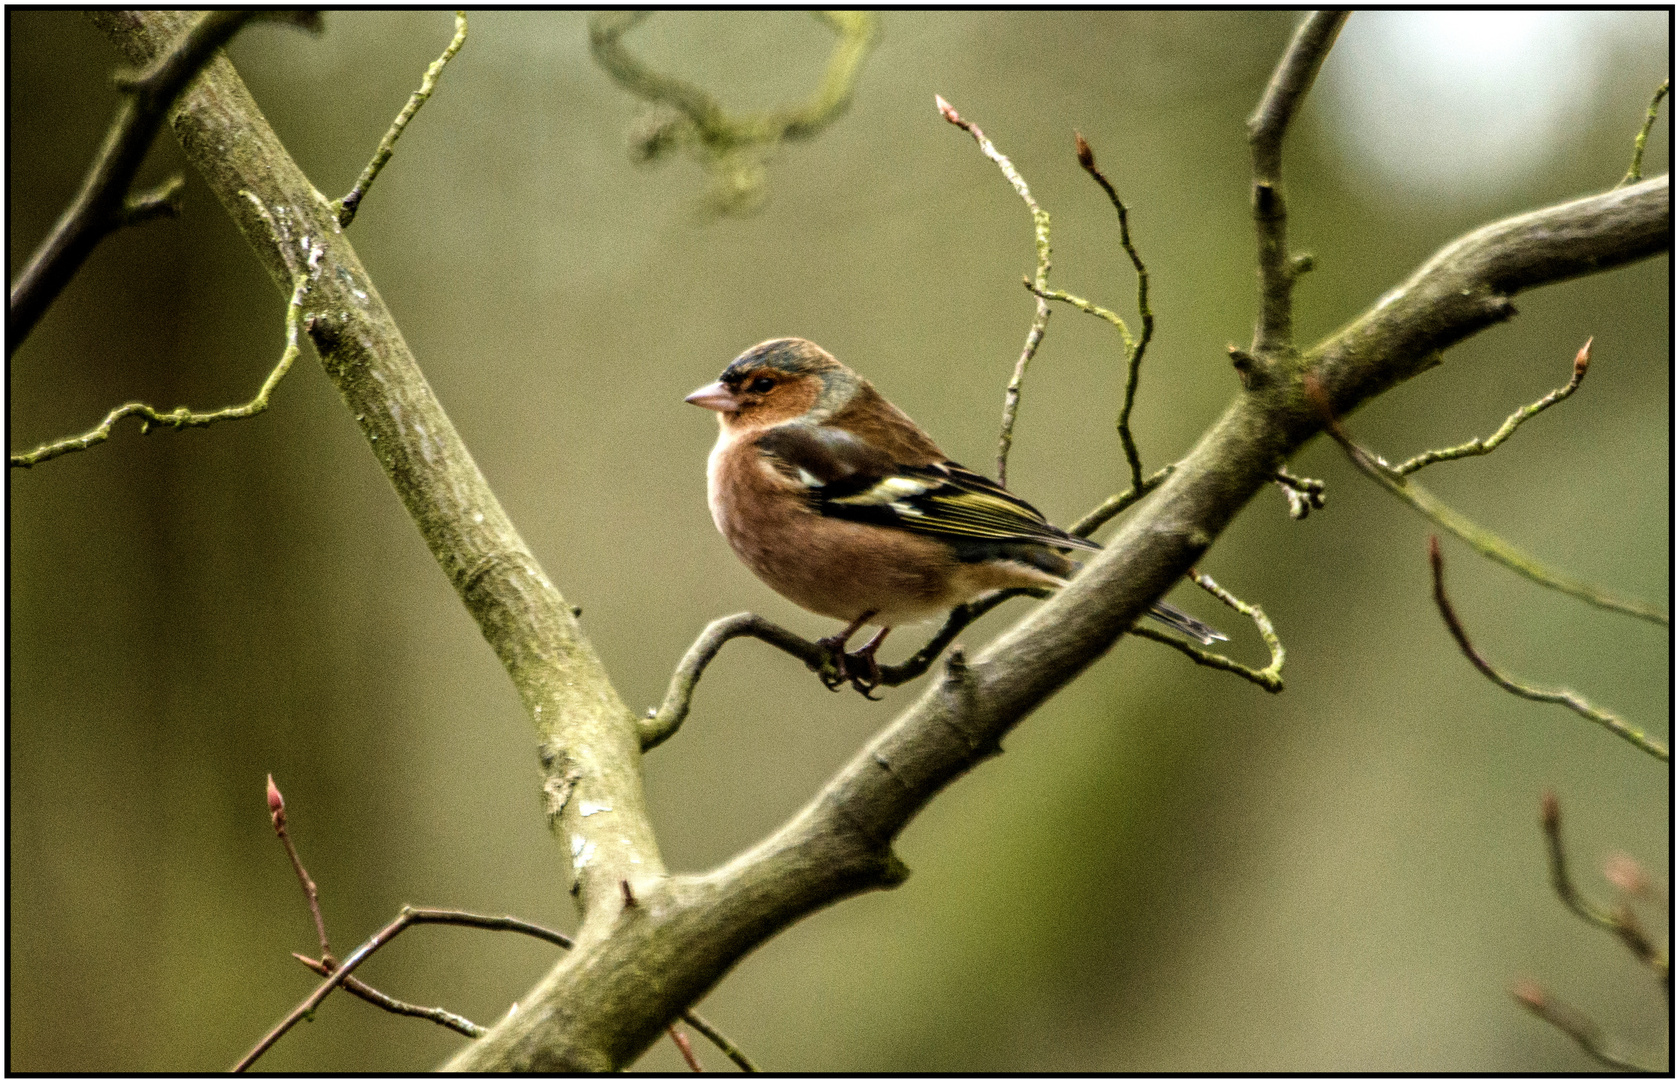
pixel 714 396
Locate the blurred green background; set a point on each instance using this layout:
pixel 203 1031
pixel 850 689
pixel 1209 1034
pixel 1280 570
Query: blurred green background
pixel 1168 869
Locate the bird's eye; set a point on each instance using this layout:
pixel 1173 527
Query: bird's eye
pixel 762 384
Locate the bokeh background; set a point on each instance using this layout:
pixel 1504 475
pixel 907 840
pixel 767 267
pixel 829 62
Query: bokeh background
pixel 1167 870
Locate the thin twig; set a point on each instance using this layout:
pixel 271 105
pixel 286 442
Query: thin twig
pixel 276 813
pixel 1265 130
pixel 181 417
pixel 1039 322
pixel 387 146
pixel 1622 923
pixel 679 1037
pixel 1475 447
pixel 1582 1030
pixel 1482 540
pixel 410 916
pixel 1568 698
pixel 721 1041
pixel 452 1021
pixel 667 718
pixel 1635 172
pixel 1269 678
pixel 1134 350
pixel 103 203
pixel 1117 504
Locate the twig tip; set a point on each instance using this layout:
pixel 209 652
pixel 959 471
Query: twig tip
pixel 1581 362
pixel 1085 156
pixel 1551 812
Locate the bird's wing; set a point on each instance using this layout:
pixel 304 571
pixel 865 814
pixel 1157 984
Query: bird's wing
pixel 848 477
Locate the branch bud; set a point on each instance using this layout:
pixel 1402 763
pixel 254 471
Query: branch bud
pixel 946 110
pixel 1085 156
pixel 276 805
pixel 1581 362
pixel 1551 812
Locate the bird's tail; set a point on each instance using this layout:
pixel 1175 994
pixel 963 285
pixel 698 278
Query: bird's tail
pixel 1177 619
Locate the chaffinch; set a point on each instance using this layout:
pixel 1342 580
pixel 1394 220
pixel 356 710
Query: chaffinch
pixel 841 504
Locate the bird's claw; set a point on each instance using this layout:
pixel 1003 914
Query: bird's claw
pixel 840 669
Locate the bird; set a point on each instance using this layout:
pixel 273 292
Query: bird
pixel 843 505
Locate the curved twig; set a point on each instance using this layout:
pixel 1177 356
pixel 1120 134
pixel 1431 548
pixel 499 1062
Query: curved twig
pixel 731 148
pixel 1476 447
pixel 180 418
pixel 1568 698
pixel 664 721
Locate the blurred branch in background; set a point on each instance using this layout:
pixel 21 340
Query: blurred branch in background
pixel 104 204
pixel 1622 923
pixel 733 149
pixel 1570 699
pixel 387 145
pixel 181 417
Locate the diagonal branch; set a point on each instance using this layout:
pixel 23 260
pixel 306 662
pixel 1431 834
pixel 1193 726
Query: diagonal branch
pixel 589 745
pixel 387 145
pixel 103 204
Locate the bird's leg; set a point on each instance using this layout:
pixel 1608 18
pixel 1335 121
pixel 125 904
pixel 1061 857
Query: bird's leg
pixel 835 645
pixel 865 684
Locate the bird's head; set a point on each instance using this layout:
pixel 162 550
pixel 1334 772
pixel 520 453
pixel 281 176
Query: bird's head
pixel 776 381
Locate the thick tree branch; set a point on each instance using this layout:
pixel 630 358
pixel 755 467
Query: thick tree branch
pixel 589 742
pixel 1266 129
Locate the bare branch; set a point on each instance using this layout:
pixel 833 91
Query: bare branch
pixel 387 145
pixel 1482 540
pixel 1568 698
pixel 1580 1028
pixel 667 718
pixel 1135 350
pixel 276 813
pixel 1474 447
pixel 1267 127
pixel 410 916
pixel 181 417
pixel 721 1041
pixel 1039 322
pixel 442 1017
pixel 103 204
pixel 1117 504
pixel 1635 172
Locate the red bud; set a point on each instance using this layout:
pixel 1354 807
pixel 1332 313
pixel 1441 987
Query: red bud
pixel 1581 362
pixel 276 804
pixel 947 110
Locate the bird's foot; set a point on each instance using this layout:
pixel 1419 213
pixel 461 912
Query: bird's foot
pixel 860 668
